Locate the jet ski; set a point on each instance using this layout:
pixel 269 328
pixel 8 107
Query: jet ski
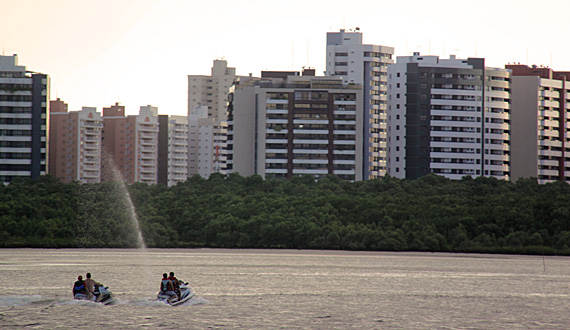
pixel 100 295
pixel 186 293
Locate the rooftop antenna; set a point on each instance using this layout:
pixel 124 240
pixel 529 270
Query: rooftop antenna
pixel 475 48
pixel 429 46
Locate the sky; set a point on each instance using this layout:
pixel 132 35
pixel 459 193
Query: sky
pixel 140 52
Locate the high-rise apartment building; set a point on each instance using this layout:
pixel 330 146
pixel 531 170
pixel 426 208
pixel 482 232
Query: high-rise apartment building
pixel 75 143
pixel 210 92
pixel 449 117
pixel 23 121
pixel 366 65
pixel 207 144
pixel 296 125
pixel 540 144
pixel 172 149
pixel 131 143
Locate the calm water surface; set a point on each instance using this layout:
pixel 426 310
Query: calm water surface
pixel 286 289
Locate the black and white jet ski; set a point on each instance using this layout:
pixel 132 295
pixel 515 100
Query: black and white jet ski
pixel 101 295
pixel 186 293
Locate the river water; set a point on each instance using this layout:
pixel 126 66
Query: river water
pixel 287 289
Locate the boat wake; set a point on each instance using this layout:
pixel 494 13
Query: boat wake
pixel 34 300
pixel 158 303
pixel 12 301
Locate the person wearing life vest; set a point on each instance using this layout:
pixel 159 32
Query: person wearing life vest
pixel 79 286
pixel 167 287
pixel 175 284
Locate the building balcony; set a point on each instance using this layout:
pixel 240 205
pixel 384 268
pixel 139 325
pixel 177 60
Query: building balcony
pixel 341 102
pixel 454 166
pixel 550 153
pixel 548 162
pixel 299 141
pixel 298 171
pixel 345 162
pixel 545 172
pixel 85 167
pixel 277 101
pixel 549 123
pixel 143 135
pixel 310 161
pixel 92 124
pixel 344 172
pixel 344 152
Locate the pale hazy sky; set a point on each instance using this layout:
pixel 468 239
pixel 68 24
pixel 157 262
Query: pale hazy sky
pixel 139 52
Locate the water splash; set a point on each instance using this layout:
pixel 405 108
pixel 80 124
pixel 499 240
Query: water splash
pixel 133 215
pixel 111 172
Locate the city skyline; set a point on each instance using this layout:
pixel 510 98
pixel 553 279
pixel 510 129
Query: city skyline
pixel 140 52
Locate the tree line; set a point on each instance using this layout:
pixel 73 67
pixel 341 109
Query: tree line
pixel 387 214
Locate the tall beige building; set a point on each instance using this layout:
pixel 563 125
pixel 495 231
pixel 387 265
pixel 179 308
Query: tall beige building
pixel 212 91
pixel 540 144
pixel 207 112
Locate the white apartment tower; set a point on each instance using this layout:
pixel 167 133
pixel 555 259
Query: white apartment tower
pixel 147 145
pixel 365 65
pixel 207 144
pixel 449 117
pixel 172 149
pixel 284 126
pixel 23 121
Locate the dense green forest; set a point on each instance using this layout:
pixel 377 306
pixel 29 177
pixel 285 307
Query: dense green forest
pixel 386 214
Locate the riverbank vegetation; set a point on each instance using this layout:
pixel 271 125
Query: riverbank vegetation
pixel 387 214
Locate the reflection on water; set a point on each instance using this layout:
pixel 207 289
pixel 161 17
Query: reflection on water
pixel 269 289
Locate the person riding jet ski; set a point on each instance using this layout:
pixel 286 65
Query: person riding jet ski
pixel 79 286
pixel 175 284
pixel 167 287
pixel 92 287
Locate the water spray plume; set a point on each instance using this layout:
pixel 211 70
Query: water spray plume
pixel 113 174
